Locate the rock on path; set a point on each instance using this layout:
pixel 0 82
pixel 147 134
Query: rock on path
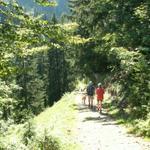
pixel 100 132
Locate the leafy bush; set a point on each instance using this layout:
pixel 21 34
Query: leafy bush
pixel 141 127
pixel 46 142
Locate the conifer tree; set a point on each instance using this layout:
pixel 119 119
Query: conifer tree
pixel 54 19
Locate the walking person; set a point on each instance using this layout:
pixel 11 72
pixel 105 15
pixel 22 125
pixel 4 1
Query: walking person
pixel 100 95
pixel 90 93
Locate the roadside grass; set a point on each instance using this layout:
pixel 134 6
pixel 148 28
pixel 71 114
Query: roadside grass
pixel 59 121
pixel 53 129
pixel 139 127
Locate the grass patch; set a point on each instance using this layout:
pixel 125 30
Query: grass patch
pixel 53 129
pixel 59 121
pixel 139 127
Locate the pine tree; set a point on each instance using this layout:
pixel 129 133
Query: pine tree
pixel 54 19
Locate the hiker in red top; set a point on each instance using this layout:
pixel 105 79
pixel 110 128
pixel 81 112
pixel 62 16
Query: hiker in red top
pixel 100 95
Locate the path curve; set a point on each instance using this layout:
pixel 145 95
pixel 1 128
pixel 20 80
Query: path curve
pixel 100 132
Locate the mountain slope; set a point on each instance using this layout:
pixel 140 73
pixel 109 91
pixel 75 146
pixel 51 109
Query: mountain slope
pixel 53 129
pixel 34 8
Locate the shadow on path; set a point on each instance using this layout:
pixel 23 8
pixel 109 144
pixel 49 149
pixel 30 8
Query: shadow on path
pixel 104 120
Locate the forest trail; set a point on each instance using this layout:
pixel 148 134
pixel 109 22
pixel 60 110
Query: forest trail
pixel 100 132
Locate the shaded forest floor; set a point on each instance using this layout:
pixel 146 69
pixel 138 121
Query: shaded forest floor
pixel 100 132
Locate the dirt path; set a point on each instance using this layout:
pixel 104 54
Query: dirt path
pixel 100 132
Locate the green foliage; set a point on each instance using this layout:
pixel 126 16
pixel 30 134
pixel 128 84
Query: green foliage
pixel 47 142
pixel 101 18
pixel 33 57
pixel 50 130
pixel 134 78
pixel 46 2
pixel 117 44
pixel 130 117
pixel 141 127
pixel 7 98
pixel 36 69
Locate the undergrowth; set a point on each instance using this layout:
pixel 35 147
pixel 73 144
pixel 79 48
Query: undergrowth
pixel 51 130
pixel 125 116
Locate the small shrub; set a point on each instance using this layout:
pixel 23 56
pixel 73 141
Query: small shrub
pixel 29 133
pixel 45 143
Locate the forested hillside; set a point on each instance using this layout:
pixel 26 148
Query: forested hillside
pixel 36 68
pixel 36 9
pixel 106 41
pixel 36 65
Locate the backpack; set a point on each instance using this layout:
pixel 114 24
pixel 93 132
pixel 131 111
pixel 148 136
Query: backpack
pixel 90 90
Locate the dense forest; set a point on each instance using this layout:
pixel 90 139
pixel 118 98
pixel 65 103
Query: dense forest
pixel 33 54
pixel 41 59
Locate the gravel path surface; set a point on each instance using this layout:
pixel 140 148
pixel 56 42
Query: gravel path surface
pixel 100 132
